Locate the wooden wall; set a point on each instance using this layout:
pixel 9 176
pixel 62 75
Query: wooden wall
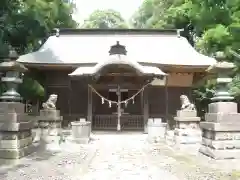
pixel 72 101
pixel 164 101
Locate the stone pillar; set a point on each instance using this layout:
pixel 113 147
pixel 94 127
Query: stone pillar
pixel 156 130
pixel 187 129
pixel 15 126
pixel 51 132
pixel 221 131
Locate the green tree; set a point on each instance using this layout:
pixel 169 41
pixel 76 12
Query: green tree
pixel 216 23
pixel 105 19
pixel 24 24
pixel 210 25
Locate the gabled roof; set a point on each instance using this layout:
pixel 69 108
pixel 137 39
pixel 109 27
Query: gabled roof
pixel 92 46
pixel 118 59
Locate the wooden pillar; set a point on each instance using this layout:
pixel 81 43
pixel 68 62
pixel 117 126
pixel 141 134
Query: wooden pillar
pixel 89 107
pixel 119 109
pixel 69 98
pixel 166 104
pixel 145 109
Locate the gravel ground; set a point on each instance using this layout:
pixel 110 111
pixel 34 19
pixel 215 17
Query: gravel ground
pixel 118 156
pixel 190 167
pixel 64 165
pixel 123 157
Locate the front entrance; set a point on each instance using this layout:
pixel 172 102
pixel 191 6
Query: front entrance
pixel 121 70
pixel 123 116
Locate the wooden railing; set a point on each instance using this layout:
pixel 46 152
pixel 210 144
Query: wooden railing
pixel 109 122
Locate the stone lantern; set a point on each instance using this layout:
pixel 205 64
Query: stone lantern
pixel 221 129
pixel 223 70
pixel 15 124
pixel 12 77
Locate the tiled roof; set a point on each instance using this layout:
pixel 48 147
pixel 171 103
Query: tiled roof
pixel 155 48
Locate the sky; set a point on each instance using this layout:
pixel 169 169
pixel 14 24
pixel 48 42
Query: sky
pixel 86 7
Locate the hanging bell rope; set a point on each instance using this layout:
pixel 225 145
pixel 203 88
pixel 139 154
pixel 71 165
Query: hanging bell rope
pixel 115 102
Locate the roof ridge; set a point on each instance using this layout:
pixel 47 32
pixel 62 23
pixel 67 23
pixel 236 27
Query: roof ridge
pixel 68 31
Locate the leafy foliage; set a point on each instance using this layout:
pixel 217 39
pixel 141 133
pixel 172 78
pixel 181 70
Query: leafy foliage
pixel 34 89
pixel 202 96
pixel 24 24
pixel 105 19
pixel 209 25
pixel 235 87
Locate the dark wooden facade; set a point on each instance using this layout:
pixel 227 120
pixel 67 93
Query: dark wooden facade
pixel 124 59
pixel 75 95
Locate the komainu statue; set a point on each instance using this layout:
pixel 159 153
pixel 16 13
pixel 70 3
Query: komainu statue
pixel 186 104
pixel 50 104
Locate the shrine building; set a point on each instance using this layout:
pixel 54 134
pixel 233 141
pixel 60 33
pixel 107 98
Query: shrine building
pixel 117 78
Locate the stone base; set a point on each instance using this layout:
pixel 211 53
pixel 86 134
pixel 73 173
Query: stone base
pixel 15 144
pixel 220 154
pixel 12 161
pixel 50 114
pixel 187 136
pixel 223 107
pixel 81 131
pixel 50 142
pixel 12 107
pixel 187 140
pixel 156 130
pixel 187 120
pixel 50 121
pixel 180 143
pixel 187 128
pixel 16 153
pixel 51 132
pixel 222 118
pixel 36 134
pixel 15 131
pixel 78 140
pixel 50 146
pixel 220 140
pixel 169 137
pixel 192 149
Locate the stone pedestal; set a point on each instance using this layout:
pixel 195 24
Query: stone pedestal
pixel 221 131
pixel 187 129
pixel 81 131
pixel 156 129
pixel 169 137
pixel 51 132
pixel 15 131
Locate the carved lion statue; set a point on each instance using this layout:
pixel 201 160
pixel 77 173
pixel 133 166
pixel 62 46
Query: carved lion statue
pixel 51 102
pixel 186 104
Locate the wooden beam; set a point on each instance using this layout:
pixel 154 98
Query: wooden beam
pixel 89 105
pixel 112 86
